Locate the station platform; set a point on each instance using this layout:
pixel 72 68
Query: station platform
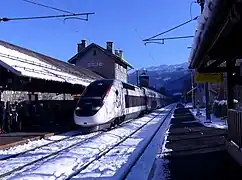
pixel 193 151
pixel 17 138
pixel 35 133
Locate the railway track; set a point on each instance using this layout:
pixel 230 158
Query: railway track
pixel 71 134
pixel 110 140
pixel 81 139
pixel 10 170
pixel 130 165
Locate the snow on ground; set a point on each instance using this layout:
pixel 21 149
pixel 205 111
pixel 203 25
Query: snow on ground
pixel 145 164
pixel 30 156
pixel 34 144
pixel 188 105
pixel 116 162
pixel 161 170
pixel 31 66
pixel 215 122
pixel 63 164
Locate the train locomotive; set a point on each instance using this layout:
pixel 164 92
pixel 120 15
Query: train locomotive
pixel 107 103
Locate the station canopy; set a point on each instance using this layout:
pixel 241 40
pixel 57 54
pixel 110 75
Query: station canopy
pixel 26 63
pixel 218 37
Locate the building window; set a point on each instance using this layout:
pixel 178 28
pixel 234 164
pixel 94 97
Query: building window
pixel 94 53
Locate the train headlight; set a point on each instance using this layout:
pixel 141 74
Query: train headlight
pixel 96 108
pixel 78 111
pixel 78 108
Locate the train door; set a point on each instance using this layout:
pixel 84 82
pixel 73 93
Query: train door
pixel 123 103
pixel 118 107
pixel 145 100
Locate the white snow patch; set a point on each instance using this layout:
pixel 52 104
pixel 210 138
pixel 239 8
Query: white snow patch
pixel 147 160
pixel 215 122
pixel 188 105
pixel 30 156
pixel 115 163
pixel 166 78
pixel 165 150
pixel 34 144
pixel 161 164
pixel 224 102
pixel 79 155
pixel 31 66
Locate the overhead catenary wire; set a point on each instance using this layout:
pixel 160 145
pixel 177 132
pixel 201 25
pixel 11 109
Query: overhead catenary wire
pixel 46 6
pixel 149 53
pixel 167 38
pixel 5 19
pixel 151 38
pixel 57 9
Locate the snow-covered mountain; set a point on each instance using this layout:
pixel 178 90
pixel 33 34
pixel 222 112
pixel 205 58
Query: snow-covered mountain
pixel 169 68
pixel 171 77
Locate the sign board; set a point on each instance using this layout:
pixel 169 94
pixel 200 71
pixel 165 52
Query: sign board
pixel 94 64
pixel 208 77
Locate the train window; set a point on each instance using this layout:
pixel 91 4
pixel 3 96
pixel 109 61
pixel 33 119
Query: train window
pixel 128 86
pixel 127 101
pixel 97 88
pixel 133 101
pixel 130 102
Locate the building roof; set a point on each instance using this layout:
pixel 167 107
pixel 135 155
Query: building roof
pixel 83 52
pixel 25 62
pixel 218 34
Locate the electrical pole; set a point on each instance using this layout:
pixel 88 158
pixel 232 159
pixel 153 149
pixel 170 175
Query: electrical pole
pixel 193 93
pixel 202 3
pixel 137 77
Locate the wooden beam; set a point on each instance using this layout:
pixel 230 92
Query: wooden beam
pixel 216 63
pixel 230 83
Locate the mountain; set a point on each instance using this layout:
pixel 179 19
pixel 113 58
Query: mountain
pixel 172 77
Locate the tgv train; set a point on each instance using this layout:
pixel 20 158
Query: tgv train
pixel 107 103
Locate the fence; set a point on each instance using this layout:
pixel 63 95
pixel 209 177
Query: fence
pixel 235 126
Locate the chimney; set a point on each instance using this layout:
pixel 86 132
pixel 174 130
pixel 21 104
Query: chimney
pixel 81 46
pixel 121 54
pixel 110 46
pixel 116 52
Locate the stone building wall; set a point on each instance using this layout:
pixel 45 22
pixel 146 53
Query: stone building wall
pixel 121 73
pixel 21 96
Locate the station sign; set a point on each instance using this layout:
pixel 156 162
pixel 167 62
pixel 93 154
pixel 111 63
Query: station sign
pixel 208 77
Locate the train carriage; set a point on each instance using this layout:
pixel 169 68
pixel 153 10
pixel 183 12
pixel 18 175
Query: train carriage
pixel 106 103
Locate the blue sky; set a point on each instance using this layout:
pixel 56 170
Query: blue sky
pixel 125 22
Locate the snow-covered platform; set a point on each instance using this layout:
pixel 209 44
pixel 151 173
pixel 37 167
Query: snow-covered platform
pixel 194 151
pixel 213 122
pixel 13 139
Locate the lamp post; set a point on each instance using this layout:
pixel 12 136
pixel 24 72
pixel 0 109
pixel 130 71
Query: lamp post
pixel 137 77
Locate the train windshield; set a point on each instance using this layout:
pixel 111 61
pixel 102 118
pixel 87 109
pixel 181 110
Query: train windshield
pixel 98 89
